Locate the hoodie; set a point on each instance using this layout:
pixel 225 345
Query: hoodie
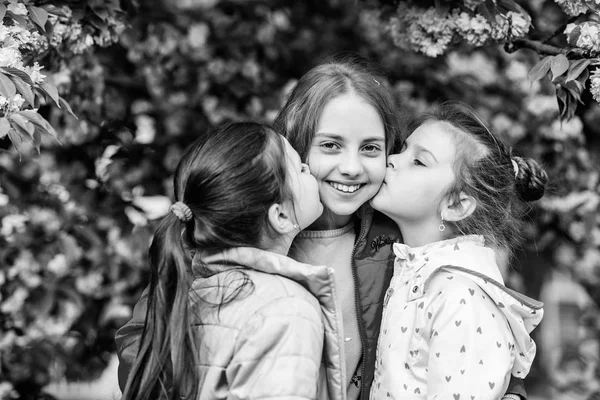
pixel 450 328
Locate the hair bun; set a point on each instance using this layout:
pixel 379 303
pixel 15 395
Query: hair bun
pixel 530 179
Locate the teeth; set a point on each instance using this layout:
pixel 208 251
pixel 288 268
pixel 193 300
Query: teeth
pixel 345 188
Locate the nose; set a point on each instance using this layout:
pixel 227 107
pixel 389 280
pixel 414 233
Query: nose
pixel 392 161
pixel 351 165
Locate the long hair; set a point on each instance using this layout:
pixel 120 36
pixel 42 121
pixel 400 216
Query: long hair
pixel 229 178
pixel 298 120
pixel 484 170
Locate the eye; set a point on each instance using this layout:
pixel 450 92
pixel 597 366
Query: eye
pixel 330 145
pixel 304 168
pixel 371 148
pixel 418 163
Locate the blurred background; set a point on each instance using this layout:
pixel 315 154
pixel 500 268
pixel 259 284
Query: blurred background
pixel 106 94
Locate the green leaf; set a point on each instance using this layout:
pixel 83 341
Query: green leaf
pixel 540 69
pixel 39 122
pixel 19 121
pixel 16 137
pixel 7 87
pixel 559 65
pixel 4 127
pixel 66 105
pixel 39 16
pixel 50 91
pixel 576 68
pixel 24 89
pixel 17 72
pixel 2 11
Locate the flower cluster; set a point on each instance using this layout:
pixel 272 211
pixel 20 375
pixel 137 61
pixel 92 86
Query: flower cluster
pixel 573 7
pixel 595 84
pixel 585 35
pixel 431 33
pixel 14 41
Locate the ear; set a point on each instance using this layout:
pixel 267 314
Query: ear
pixel 279 216
pixel 458 209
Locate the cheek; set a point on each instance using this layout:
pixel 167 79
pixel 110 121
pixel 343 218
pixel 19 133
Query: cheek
pixel 376 169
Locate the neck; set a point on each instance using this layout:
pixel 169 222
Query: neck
pixel 416 234
pixel 329 220
pixel 281 245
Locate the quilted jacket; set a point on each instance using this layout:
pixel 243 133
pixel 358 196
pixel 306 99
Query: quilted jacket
pixel 281 336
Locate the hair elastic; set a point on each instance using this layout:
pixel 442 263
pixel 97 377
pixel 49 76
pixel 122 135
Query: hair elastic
pixel 515 167
pixel 181 211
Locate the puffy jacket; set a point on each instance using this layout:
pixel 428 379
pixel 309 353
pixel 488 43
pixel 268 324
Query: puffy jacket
pixel 281 336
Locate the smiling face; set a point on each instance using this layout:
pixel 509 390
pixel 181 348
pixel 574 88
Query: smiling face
pixel 348 158
pixel 418 177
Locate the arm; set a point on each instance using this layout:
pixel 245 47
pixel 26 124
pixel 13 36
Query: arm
pixel 469 351
pixel 278 352
pixel 128 336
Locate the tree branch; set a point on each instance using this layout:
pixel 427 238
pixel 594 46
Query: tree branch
pixel 547 49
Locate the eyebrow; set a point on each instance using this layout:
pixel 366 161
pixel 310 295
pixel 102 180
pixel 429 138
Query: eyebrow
pixel 339 137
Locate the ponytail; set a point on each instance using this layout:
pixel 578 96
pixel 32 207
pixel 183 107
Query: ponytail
pixel 165 365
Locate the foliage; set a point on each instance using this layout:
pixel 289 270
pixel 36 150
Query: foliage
pixel 76 219
pixel 570 52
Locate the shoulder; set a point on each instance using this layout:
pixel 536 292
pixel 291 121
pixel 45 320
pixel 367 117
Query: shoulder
pixel 274 294
pixel 453 289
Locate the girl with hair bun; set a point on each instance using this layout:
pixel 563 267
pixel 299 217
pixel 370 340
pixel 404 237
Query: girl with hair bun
pixel 450 328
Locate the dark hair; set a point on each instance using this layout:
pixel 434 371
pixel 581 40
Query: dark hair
pixel 299 118
pixel 229 178
pixel 484 169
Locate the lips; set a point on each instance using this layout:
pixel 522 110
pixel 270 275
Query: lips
pixel 345 188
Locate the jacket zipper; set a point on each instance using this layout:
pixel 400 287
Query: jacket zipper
pixel 362 233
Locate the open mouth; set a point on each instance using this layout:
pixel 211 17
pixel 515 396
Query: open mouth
pixel 345 188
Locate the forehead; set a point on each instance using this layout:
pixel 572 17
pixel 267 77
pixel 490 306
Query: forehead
pixel 438 138
pixel 350 115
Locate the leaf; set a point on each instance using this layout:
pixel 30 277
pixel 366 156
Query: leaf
pixel 39 16
pixel 540 69
pixel 574 35
pixel 24 89
pixel 2 11
pixel 441 7
pixel 4 127
pixel 489 11
pixel 576 68
pixel 559 65
pixel 21 20
pixel 17 72
pixel 39 122
pixel 575 89
pixel 64 103
pixel 7 87
pixel 19 121
pixel 16 138
pixel 51 91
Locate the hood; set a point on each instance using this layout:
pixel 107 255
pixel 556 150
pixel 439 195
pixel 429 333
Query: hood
pixel 522 313
pixel 318 280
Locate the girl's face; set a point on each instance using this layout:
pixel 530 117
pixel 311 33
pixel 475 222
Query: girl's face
pixel 418 177
pixel 307 206
pixel 348 158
